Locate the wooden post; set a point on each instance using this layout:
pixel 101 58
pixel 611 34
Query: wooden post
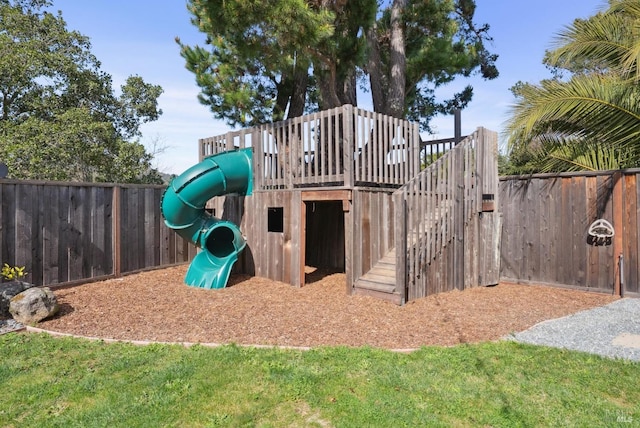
pixel 348 244
pixel 258 158
pixel 201 149
pixel 303 240
pixel 400 239
pixel 457 126
pixel 117 234
pixel 459 219
pixel 229 141
pixel 618 227
pixel 489 222
pixel 347 144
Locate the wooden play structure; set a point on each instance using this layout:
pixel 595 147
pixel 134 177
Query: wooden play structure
pixel 355 191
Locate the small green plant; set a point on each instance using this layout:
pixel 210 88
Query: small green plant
pixel 11 273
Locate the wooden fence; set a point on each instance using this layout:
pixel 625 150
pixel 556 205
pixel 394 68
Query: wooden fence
pixel 546 219
pixel 345 146
pixel 74 232
pixel 446 230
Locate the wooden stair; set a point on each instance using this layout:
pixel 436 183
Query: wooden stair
pixel 380 281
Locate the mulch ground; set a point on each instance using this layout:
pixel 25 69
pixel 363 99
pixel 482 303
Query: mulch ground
pixel 157 306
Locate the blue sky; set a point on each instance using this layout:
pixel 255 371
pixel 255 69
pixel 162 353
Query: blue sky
pixel 138 37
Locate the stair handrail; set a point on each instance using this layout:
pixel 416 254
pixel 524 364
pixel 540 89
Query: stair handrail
pixel 426 207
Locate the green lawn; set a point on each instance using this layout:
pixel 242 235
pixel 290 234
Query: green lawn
pixel 64 382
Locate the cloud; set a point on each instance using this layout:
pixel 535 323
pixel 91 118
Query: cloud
pixel 183 122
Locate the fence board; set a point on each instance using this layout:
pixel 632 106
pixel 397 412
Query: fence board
pixel 63 232
pixel 579 262
pixel 37 222
pixel 631 247
pixel 50 260
pixel 569 203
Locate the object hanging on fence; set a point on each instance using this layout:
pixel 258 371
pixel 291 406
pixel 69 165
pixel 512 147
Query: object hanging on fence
pixel 600 233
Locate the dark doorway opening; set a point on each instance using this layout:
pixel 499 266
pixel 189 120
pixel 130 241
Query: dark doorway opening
pixel 324 239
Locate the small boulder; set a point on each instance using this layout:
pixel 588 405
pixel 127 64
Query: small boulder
pixel 33 305
pixel 7 291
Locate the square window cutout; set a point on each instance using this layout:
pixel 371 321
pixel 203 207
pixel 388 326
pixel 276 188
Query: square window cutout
pixel 275 221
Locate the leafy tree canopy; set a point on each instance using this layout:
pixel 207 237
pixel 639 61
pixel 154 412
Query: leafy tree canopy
pixel 268 60
pixel 59 116
pixel 587 116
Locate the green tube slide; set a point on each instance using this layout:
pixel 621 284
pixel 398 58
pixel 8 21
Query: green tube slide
pixel 183 210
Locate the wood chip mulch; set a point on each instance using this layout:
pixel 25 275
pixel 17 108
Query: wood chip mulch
pixel 157 306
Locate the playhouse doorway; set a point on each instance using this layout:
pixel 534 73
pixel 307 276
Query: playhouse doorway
pixel 324 249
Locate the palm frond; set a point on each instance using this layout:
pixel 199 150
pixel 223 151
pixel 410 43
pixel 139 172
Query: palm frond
pixel 566 155
pixel 583 156
pixel 598 107
pixel 603 40
pixel 554 124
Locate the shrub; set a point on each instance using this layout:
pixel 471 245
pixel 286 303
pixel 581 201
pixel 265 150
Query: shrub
pixel 11 273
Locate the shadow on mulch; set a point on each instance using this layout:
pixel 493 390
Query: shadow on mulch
pixel 319 274
pixel 63 309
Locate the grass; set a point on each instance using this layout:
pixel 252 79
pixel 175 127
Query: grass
pixel 65 382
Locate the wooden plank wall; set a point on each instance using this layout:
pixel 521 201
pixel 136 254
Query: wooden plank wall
pixel 317 240
pixel 145 240
pixel 66 232
pixel 372 228
pixel 60 232
pixel 268 254
pixel 546 218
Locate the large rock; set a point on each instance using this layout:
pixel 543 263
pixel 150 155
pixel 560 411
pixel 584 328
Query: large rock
pixel 7 291
pixel 33 305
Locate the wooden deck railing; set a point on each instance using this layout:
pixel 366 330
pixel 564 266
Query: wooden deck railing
pixel 435 232
pixel 345 146
pixel 431 151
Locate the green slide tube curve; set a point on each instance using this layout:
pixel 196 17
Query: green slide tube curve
pixel 183 209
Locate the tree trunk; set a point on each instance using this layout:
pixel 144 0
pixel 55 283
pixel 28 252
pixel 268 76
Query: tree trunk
pixel 376 76
pixel 283 95
pixel 397 79
pixel 299 92
pixel 327 84
pixel 348 92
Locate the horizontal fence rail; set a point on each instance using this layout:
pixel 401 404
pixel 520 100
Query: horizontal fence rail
pixel 345 146
pixel 66 232
pixel 431 151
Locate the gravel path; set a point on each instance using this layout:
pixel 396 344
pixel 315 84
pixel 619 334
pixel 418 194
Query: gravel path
pixel 611 331
pixel 10 325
